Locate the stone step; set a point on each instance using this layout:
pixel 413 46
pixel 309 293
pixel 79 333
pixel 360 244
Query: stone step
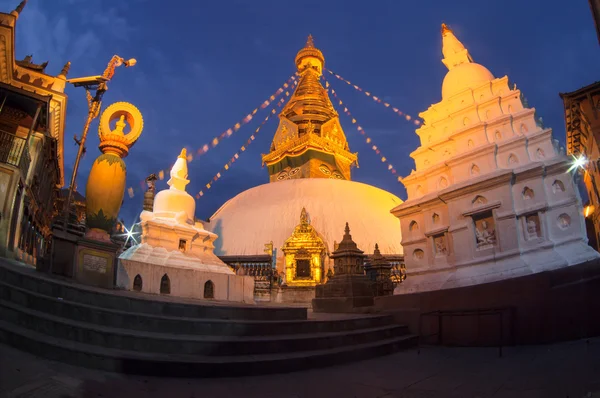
pixel 130 362
pixel 146 341
pixel 142 303
pixel 180 325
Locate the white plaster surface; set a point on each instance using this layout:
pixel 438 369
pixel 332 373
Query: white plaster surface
pixel 176 246
pixel 484 154
pixel 270 212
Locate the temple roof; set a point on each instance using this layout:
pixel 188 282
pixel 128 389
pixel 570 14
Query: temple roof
pixel 27 63
pixel 309 118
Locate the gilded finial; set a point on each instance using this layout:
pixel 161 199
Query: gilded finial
pixel 20 6
pixel 120 125
pixel 183 154
pixel 347 229
pixel 115 140
pixel 310 42
pixel 445 29
pixel 376 252
pixel 303 217
pixel 65 69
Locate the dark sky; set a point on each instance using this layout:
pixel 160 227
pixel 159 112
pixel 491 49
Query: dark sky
pixel 202 66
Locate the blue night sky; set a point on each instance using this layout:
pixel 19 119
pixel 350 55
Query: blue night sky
pixel 203 66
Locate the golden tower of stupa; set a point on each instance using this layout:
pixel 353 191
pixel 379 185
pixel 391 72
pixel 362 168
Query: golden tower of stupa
pixel 309 141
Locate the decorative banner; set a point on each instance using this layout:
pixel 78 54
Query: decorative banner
pixel 236 156
pixel 376 99
pixel 290 83
pixel 368 139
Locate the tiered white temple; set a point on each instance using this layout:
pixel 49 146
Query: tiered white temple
pixel 491 197
pixel 176 254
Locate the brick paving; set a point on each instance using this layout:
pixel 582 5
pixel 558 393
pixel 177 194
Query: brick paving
pixel 561 370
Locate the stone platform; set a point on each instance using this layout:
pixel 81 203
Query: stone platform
pixel 127 332
pixel 545 307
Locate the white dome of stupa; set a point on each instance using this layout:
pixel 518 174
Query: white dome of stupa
pixel 270 212
pixel 465 76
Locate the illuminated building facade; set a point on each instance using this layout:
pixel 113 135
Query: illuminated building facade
pixel 582 117
pixel 32 117
pixel 491 197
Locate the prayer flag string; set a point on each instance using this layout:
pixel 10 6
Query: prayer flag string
pixel 289 84
pixel 236 156
pixel 362 132
pixel 404 115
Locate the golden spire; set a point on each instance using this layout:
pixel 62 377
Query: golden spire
pixel 309 42
pixel 445 29
pixel 309 131
pixel 309 55
pixel 303 217
pixel 453 50
pixel 183 154
pixel 19 8
pixel 65 71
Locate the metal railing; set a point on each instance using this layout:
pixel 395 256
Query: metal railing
pixel 13 151
pixel 501 312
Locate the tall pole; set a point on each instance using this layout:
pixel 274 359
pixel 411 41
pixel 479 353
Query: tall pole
pixel 94 105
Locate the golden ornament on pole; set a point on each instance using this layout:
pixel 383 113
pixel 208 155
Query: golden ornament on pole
pixel 106 182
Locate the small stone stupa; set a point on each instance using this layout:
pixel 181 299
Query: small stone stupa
pixel 348 289
pixel 176 255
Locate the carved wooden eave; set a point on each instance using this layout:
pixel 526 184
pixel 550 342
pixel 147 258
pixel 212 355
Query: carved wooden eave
pixel 32 81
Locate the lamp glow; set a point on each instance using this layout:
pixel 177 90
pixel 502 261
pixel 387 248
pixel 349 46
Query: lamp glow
pixel 579 162
pixel 130 234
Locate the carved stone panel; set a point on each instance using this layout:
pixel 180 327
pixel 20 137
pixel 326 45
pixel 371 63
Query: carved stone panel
pixel 440 247
pixel 485 230
pixel 532 227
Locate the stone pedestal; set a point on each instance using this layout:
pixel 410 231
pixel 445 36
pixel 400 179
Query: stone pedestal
pixel 343 293
pixel 348 290
pixel 95 263
pixel 295 294
pixel 64 245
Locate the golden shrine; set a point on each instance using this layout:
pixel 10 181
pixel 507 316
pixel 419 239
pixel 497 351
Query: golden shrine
pixel 304 254
pixel 309 141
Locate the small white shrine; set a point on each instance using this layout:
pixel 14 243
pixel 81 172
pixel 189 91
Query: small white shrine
pixel 176 255
pixel 491 197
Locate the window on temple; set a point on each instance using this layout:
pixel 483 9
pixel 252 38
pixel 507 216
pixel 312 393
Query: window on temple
pixel 413 226
pixel 182 245
pixel 558 186
pixel 165 285
pixel 209 290
pixel 528 193
pixel 303 268
pixel 137 283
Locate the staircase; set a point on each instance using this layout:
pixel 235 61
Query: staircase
pixel 134 333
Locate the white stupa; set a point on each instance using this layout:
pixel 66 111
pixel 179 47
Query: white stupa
pixel 491 197
pixel 176 255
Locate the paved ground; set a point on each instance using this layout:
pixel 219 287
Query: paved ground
pixel 563 370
